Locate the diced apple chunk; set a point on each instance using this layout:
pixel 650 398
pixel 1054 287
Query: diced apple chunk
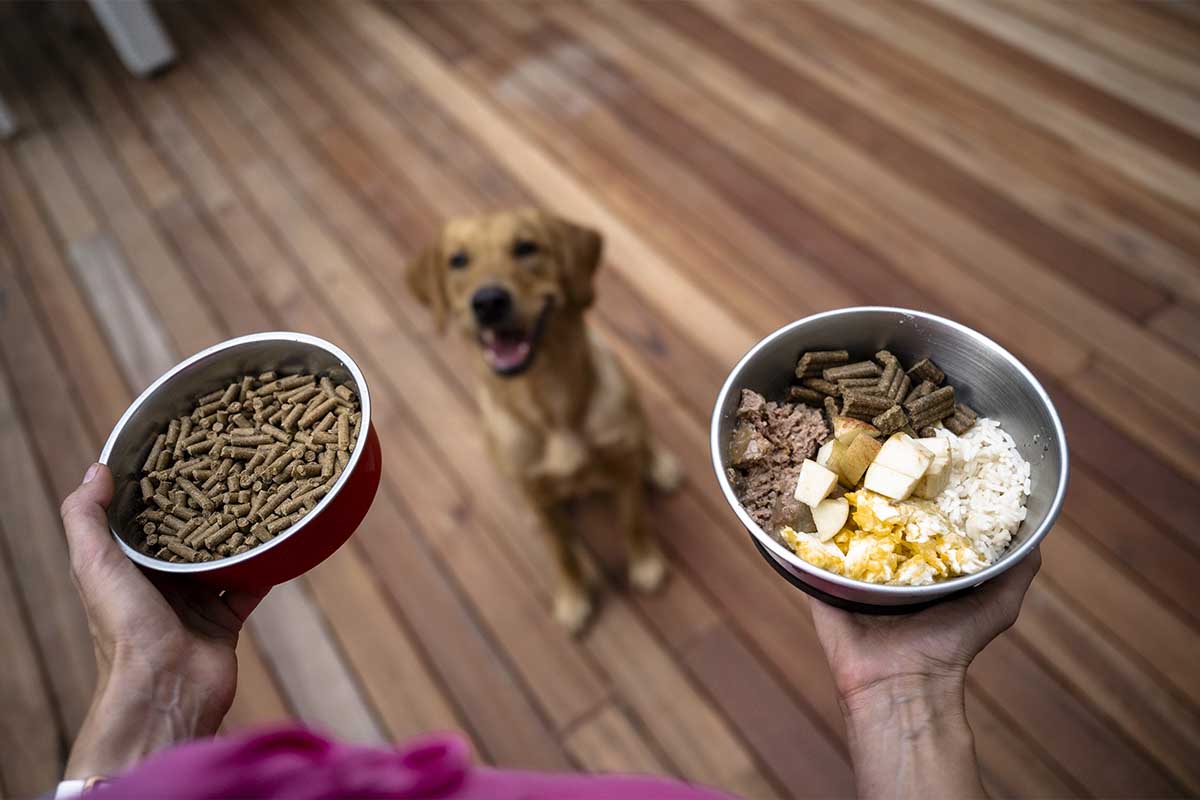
pixel 858 457
pixel 902 454
pixel 830 517
pixel 888 482
pixel 847 429
pixel 815 483
pixel 937 477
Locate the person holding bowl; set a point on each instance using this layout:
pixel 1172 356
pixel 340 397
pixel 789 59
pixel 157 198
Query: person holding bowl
pixel 168 674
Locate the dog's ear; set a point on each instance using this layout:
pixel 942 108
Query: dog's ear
pixel 579 254
pixel 426 280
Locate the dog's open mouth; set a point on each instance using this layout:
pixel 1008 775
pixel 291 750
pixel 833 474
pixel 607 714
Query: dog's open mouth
pixel 509 349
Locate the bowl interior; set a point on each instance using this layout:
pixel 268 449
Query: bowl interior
pixel 984 376
pixel 175 394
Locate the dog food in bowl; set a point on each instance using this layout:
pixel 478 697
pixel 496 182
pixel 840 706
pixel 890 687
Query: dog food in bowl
pixel 248 462
pixel 898 483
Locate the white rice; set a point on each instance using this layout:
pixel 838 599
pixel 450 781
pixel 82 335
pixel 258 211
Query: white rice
pixel 989 482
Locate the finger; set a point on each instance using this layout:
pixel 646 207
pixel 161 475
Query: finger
pixel 1001 597
pixel 83 516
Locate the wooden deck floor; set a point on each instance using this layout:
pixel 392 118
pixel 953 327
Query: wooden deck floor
pixel 1029 168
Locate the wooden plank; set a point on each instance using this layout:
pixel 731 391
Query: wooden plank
pixel 299 648
pixel 139 338
pixel 1139 19
pixel 1113 43
pixel 31 752
pixel 67 317
pixel 258 701
pixel 1119 683
pixel 512 732
pixel 1125 246
pixel 1055 298
pixel 1040 97
pixel 777 727
pixel 403 689
pixel 1104 762
pixel 803 176
pixel 1179 325
pixel 1170 432
pixel 1136 536
pixel 1127 464
pixel 1144 625
pixel 690 732
pixel 1167 103
pixel 157 270
pixel 1010 763
pixel 609 741
pixel 35 542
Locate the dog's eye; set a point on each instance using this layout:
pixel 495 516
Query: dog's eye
pixel 524 247
pixel 459 260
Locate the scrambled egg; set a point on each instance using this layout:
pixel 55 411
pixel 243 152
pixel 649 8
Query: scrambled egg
pixel 907 542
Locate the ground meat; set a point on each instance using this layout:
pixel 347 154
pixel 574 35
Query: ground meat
pixel 768 446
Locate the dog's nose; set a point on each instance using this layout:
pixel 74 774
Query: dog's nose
pixel 491 304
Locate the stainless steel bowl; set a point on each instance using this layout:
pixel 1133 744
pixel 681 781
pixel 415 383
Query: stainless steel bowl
pixel 985 375
pixel 301 546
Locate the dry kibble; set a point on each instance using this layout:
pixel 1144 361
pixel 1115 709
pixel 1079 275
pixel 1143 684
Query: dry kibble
pixel 247 462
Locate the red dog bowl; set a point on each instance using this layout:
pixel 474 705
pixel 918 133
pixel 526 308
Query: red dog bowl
pixel 302 546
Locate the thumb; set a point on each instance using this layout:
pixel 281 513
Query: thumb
pixel 83 516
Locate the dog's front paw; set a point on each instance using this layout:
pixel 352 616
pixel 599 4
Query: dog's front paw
pixel 573 609
pixel 647 572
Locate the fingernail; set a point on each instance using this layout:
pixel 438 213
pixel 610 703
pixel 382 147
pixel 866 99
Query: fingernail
pixel 91 473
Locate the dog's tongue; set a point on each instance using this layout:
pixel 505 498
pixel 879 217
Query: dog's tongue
pixel 505 350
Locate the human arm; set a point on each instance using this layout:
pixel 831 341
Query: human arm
pixel 165 651
pixel 900 682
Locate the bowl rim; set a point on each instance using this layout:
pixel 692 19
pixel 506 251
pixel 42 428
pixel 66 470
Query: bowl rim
pixel 894 592
pixel 364 395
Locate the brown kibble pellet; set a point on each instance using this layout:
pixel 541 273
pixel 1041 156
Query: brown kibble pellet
pixel 276 434
pixel 797 394
pixel 856 402
pixel 934 399
pixel 300 395
pixel 926 370
pixel 155 450
pixel 317 413
pixel 147 488
pixel 289 421
pixel 231 393
pixel 821 385
pixel 860 369
pixel 814 361
pixel 890 421
pixel 251 440
pixel 344 393
pixel 900 387
pixel 920 390
pixel 343 431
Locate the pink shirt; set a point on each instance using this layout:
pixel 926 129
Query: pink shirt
pixel 297 764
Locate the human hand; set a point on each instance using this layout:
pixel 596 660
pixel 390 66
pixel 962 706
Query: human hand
pixel 936 644
pixel 900 682
pixel 165 650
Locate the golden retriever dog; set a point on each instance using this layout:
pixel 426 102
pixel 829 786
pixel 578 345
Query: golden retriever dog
pixel 561 416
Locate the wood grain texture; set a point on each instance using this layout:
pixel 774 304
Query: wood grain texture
pixel 1029 170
